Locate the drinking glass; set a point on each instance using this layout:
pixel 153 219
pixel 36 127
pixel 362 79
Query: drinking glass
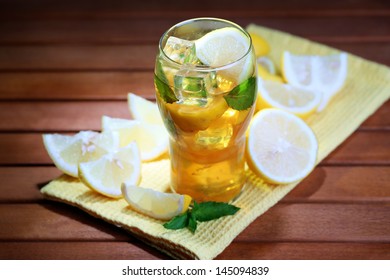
pixel 205 81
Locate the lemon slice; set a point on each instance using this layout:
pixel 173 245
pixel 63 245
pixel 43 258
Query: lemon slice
pixel 152 139
pixel 267 64
pixel 143 110
pixel 281 147
pixel 260 45
pixel 325 73
pixel 263 73
pixel 155 204
pixel 192 118
pixel 67 151
pixel 106 174
pixel 292 99
pixel 224 46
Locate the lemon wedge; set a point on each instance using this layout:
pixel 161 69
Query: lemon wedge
pixel 281 147
pixel 155 204
pixel 67 151
pixel 260 45
pixel 192 118
pixel 106 174
pixel 152 139
pixel 296 100
pixel 319 73
pixel 223 46
pixel 267 63
pixel 143 110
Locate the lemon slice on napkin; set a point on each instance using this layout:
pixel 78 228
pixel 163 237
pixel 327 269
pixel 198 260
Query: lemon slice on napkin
pixel 155 204
pixel 106 174
pixel 281 147
pixel 143 110
pixel 67 151
pixel 319 73
pixel 292 99
pixel 152 139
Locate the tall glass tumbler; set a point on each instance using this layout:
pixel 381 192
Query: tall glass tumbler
pixel 205 80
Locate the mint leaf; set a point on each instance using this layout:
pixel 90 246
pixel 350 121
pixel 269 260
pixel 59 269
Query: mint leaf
pixel 164 90
pixel 192 223
pixel 207 211
pixel 242 96
pixel 201 212
pixel 178 222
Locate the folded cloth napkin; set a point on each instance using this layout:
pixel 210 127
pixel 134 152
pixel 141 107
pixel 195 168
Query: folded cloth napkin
pixel 366 89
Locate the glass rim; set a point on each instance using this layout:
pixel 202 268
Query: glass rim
pixel 205 68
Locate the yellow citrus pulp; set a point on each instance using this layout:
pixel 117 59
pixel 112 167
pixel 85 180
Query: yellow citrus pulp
pixel 281 147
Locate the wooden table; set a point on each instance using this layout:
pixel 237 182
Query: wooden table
pixel 64 64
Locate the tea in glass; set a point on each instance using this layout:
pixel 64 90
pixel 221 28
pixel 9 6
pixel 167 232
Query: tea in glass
pixel 205 80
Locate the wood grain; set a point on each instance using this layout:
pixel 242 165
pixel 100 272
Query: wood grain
pixel 153 9
pixel 237 250
pixel 124 31
pixel 126 57
pixel 92 85
pixel 282 223
pixel 114 250
pixel 337 184
pixel 304 251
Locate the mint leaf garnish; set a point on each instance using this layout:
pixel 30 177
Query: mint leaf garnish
pixel 164 90
pixel 242 96
pixel 192 223
pixel 207 211
pixel 201 212
pixel 178 222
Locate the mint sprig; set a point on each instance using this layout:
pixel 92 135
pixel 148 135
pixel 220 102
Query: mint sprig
pixel 162 84
pixel 243 95
pixel 201 212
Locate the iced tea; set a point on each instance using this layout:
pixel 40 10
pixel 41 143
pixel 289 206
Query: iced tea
pixel 206 92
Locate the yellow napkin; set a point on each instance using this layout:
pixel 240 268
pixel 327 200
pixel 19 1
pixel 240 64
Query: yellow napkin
pixel 366 88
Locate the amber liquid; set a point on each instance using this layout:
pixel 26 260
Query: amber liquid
pixel 206 149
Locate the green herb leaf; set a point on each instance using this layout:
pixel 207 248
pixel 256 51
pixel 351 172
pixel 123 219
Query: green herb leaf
pixel 201 212
pixel 207 211
pixel 192 223
pixel 164 90
pixel 178 222
pixel 242 96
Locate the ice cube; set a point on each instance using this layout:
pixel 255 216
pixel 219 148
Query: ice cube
pixel 181 51
pixel 215 137
pixel 194 87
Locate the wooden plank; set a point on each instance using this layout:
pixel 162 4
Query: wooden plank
pixel 60 116
pixel 348 184
pixel 22 184
pixel 282 223
pixel 80 57
pixel 127 57
pixel 27 148
pixel 144 30
pixel 379 120
pixel 235 251
pixel 135 250
pixel 321 222
pixel 306 251
pixel 376 149
pixel 90 9
pixel 343 184
pixel 75 85
pixel 78 115
pixel 54 221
